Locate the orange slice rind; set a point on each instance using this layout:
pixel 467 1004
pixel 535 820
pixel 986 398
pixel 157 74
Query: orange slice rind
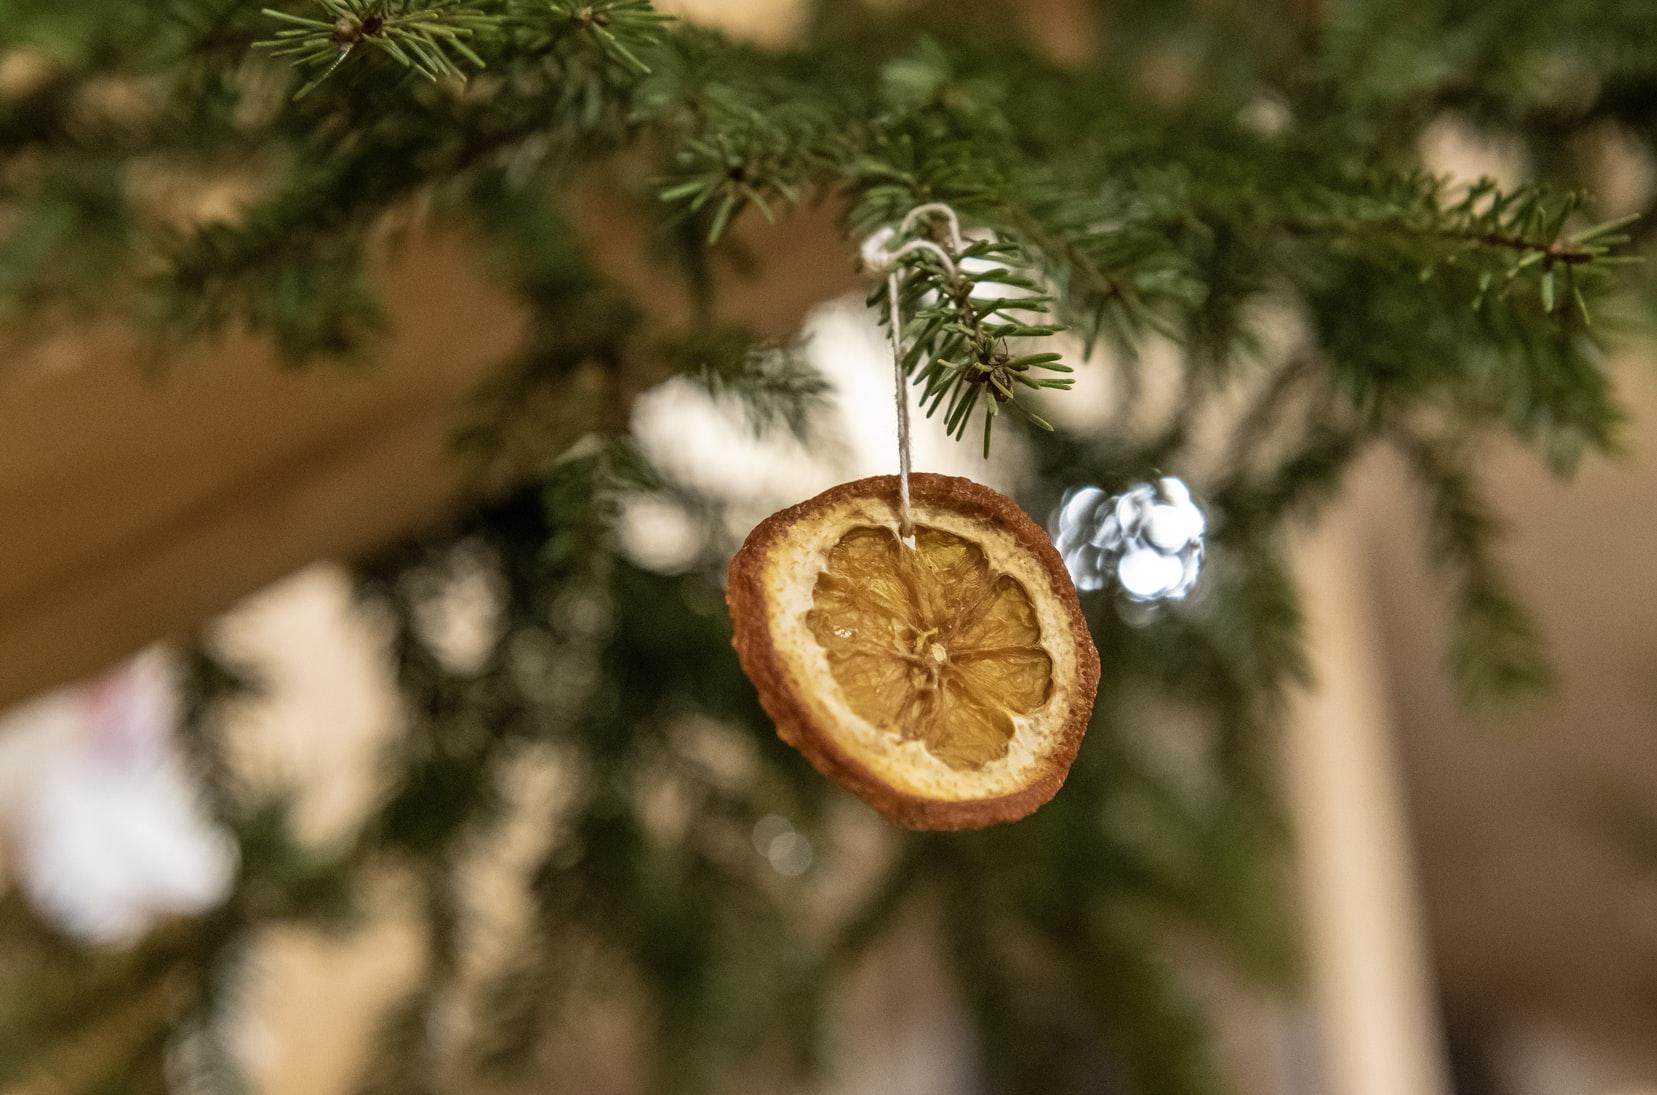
pixel 947 681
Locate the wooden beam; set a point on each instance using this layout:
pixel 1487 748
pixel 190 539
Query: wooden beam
pixel 1371 980
pixel 134 507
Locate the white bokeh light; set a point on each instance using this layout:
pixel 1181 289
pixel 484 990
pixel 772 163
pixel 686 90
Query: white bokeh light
pixel 110 831
pixel 1149 539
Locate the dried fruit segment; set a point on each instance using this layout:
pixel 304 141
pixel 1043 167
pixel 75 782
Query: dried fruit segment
pixel 929 643
pixel 947 681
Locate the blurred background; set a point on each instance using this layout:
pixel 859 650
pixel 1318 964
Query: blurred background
pixel 319 775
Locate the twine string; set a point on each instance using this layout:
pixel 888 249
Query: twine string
pixel 900 395
pixel 881 257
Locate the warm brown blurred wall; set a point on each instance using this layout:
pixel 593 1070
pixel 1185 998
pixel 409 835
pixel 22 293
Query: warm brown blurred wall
pixel 135 504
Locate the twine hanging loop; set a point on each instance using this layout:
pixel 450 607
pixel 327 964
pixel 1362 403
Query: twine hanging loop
pixel 883 253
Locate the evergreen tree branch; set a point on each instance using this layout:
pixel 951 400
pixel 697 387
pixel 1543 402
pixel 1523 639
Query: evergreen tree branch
pixel 1497 235
pixel 1495 650
pixel 1095 200
pixel 775 386
pixel 429 37
pixel 957 330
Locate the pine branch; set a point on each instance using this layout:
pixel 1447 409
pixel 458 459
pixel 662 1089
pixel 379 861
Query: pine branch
pixel 429 37
pixel 757 160
pixel 775 386
pixel 1266 410
pixel 202 1047
pixel 959 334
pixel 409 1048
pixel 441 39
pixel 1495 651
pixel 1096 202
pixel 1153 1020
pixel 1497 236
pixel 625 31
pixel 1114 269
pixel 207 684
pixel 1304 480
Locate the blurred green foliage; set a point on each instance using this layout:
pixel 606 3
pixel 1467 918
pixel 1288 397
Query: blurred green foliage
pixel 1209 167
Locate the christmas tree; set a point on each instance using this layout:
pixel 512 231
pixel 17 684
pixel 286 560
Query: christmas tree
pixel 1221 207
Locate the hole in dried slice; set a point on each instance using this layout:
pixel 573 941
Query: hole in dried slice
pixel 947 683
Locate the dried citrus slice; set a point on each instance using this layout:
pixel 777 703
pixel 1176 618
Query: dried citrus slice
pixel 947 681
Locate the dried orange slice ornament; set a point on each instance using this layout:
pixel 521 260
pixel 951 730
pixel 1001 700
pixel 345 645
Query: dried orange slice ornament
pixel 946 682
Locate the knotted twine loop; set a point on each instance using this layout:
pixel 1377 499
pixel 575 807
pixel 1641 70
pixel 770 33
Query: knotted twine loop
pixel 882 255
